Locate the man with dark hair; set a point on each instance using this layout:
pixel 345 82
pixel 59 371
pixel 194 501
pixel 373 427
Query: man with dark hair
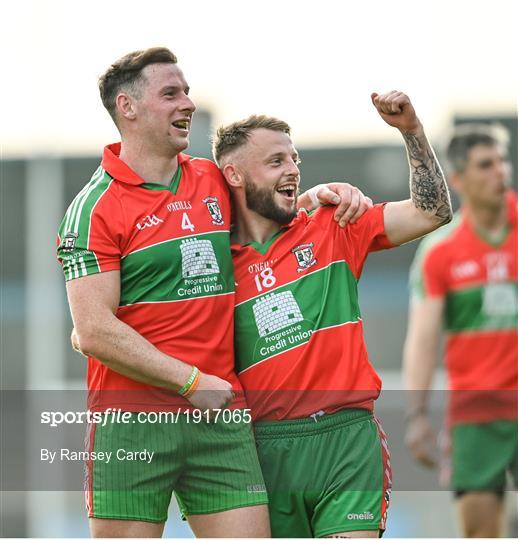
pixel 300 352
pixel 146 254
pixel 465 278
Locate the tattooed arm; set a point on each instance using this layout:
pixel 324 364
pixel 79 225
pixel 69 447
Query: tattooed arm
pixel 429 206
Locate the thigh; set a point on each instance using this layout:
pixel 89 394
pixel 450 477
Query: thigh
pixel 117 528
pixel 222 471
pixel 481 454
pixel 132 470
pixel 481 514
pixel 246 522
pixel 288 466
pixel 354 534
pixel 357 495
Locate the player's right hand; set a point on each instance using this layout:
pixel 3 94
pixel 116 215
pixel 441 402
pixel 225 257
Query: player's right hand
pixel 420 440
pixel 212 393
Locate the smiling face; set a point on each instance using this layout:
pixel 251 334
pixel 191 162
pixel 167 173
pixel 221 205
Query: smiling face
pixel 268 163
pixel 163 109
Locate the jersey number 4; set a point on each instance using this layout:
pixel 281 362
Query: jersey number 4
pixel 186 223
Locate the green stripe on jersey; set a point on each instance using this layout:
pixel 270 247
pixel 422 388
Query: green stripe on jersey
pixel 493 306
pixel 273 323
pixel 178 269
pixel 74 232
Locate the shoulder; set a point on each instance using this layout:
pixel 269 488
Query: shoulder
pixel 99 192
pixel 201 165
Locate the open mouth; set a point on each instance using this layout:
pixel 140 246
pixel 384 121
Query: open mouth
pixel 182 124
pixel 287 191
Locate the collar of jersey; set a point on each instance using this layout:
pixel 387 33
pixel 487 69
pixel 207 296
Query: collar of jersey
pixel 121 172
pixel 263 248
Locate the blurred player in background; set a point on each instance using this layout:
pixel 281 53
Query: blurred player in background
pixel 300 352
pixel 145 250
pixel 465 279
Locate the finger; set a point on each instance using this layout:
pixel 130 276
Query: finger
pixel 353 208
pixel 327 196
pixel 363 206
pixel 427 460
pixel 345 201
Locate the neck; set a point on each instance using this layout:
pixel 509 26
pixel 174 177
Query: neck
pixel 252 227
pixel 491 220
pixel 150 165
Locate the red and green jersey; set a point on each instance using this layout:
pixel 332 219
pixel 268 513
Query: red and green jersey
pixel 171 245
pixel 299 335
pixel 479 282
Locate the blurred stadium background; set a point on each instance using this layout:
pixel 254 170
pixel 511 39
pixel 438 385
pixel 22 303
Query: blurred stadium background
pixel 305 63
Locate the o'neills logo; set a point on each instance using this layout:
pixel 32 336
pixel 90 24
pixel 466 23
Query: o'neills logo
pixel 305 257
pixel 214 210
pixel 361 517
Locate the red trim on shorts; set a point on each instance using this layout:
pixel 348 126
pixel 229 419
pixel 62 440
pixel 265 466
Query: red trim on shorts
pixel 387 475
pixel 89 470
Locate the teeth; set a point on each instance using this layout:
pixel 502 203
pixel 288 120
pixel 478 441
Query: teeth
pixel 182 124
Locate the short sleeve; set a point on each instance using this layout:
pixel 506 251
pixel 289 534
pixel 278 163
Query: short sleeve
pixel 427 272
pixel 89 236
pixel 365 236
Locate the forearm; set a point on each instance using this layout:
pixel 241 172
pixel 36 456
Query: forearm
pixel 418 369
pixel 421 349
pixel 124 350
pixel 428 188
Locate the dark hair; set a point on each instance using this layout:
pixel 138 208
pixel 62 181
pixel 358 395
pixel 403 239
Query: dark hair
pixel 230 137
pixel 466 136
pixel 126 74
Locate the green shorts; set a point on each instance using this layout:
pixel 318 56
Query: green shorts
pixel 325 474
pixel 134 467
pixel 482 454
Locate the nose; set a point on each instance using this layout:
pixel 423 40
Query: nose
pixel 188 104
pixel 293 169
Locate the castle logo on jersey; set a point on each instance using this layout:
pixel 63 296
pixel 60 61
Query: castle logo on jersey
pixel 305 257
pixel 214 210
pixel 275 311
pixel 198 258
pixel 69 241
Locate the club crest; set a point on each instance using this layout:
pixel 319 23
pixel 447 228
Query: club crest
pixel 305 256
pixel 69 241
pixel 214 210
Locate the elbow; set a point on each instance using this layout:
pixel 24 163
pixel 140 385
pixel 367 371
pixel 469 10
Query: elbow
pixel 86 339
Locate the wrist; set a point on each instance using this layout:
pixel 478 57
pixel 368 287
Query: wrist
pixel 416 131
pixel 416 412
pixel 191 384
pixel 312 194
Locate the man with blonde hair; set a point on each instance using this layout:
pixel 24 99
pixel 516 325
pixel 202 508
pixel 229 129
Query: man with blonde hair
pixel 300 351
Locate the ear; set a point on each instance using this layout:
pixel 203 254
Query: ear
pixel 232 175
pixel 125 106
pixel 456 181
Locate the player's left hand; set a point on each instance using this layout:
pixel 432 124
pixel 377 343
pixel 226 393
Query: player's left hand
pixel 350 202
pixel 397 110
